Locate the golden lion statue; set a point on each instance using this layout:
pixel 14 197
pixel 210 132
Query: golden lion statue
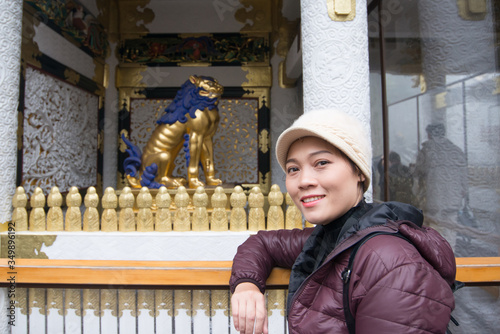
pixel 191 121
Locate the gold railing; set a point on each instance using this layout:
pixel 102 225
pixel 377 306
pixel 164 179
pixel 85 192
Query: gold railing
pixel 156 210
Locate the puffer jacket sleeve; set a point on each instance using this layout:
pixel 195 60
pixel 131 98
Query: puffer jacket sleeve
pixel 260 253
pixel 395 290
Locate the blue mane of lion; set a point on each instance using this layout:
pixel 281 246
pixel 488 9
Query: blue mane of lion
pixel 187 100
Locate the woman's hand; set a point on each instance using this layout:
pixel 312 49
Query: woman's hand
pixel 249 309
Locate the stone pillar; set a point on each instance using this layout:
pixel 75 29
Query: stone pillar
pixel 335 61
pixel 10 55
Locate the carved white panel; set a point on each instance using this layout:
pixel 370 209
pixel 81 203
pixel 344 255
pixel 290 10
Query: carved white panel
pixel 60 134
pixel 235 142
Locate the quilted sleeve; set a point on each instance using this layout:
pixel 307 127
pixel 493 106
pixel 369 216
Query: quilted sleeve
pixel 260 253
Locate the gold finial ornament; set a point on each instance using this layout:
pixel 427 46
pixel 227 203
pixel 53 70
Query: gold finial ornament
pixel 55 220
pixel 200 214
pixel 275 217
pixel 73 214
pixel 256 215
pixel 182 219
pixel 163 220
pixel 293 217
pixel 91 215
pixel 19 214
pixel 126 221
pixel 219 221
pixel 144 216
pixel 37 215
pixel 109 218
pixel 238 219
pixel 192 127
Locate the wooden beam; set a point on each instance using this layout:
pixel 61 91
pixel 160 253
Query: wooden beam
pixel 176 274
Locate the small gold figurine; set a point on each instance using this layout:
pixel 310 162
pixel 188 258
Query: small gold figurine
pixel 191 121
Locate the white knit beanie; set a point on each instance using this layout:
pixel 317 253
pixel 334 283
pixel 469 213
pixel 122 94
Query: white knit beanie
pixel 339 129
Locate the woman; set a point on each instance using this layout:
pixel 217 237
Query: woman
pixel 396 285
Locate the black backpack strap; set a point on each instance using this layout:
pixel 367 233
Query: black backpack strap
pixel 346 277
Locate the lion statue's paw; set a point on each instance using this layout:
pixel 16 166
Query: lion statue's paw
pixel 173 182
pixel 212 181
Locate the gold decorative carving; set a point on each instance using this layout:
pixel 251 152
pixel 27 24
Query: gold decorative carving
pixel 164 301
pixel 130 76
pixel 201 302
pixel 21 299
pixel 123 146
pixel 55 301
pixel 257 76
pixel 109 301
pixel 146 301
pixel 91 215
pixel 144 216
pixel 37 215
pixel 131 13
pixel 163 216
pixel 419 80
pixel 73 214
pixel 182 300
pixel 109 217
pixel 55 219
pixel 29 246
pixel 256 215
pixel 72 300
pixel 293 217
pixel 126 222
pixel 276 301
pixel 341 10
pixel 473 10
pixel 258 12
pixel 30 50
pixel 90 300
pixel 200 214
pixel 264 141
pixel 71 76
pixel 127 301
pixel 265 182
pixel 440 100
pixel 219 221
pixel 19 214
pixel 37 300
pixel 275 217
pixel 181 217
pixel 220 301
pixel 238 218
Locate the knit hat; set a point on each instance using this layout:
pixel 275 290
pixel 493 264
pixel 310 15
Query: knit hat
pixel 344 132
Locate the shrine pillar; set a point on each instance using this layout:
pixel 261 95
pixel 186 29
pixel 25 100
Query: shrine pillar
pixel 10 55
pixel 10 61
pixel 335 57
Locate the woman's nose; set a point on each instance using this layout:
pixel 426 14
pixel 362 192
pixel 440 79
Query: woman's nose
pixel 307 179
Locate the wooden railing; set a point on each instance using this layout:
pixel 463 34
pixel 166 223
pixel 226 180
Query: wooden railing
pixel 473 271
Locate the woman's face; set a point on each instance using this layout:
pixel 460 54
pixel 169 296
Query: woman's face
pixel 321 180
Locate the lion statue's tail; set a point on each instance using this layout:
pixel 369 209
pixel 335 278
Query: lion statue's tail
pixel 132 165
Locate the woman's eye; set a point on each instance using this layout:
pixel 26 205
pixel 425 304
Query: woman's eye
pixel 291 169
pixel 322 163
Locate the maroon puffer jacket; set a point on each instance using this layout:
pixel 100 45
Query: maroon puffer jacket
pixel 395 287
